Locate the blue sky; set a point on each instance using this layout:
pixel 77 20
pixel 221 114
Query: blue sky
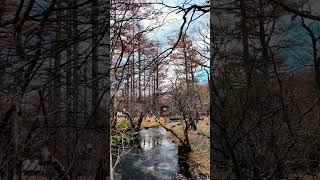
pixel 174 21
pixel 296 57
pixel 299 54
pixel 172 26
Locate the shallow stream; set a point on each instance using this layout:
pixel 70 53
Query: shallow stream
pixel 155 158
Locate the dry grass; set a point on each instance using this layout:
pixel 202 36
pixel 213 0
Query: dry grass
pixel 150 122
pixel 147 122
pixel 200 144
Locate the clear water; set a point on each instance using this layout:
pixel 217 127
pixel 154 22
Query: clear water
pixel 154 159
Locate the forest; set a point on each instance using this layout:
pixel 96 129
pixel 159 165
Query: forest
pixel 159 89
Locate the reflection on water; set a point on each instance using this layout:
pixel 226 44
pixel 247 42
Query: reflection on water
pixel 149 142
pixel 156 158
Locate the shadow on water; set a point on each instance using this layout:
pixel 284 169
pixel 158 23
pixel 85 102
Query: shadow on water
pixel 155 158
pixel 184 167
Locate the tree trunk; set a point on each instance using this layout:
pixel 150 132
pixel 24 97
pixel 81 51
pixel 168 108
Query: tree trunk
pixel 57 71
pixel 75 63
pixel 69 76
pixel 157 90
pixel 245 42
pixel 139 75
pixel 95 61
pixel 85 92
pixel 140 120
pixel 108 98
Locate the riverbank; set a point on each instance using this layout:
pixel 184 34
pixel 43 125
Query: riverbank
pixel 150 122
pixel 199 157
